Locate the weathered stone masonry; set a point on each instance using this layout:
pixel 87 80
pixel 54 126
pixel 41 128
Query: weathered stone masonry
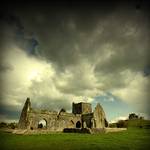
pixel 81 117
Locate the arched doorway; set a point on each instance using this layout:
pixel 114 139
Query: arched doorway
pixel 78 124
pixel 106 123
pixel 42 124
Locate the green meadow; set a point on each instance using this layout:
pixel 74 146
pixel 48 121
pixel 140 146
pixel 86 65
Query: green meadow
pixel 132 139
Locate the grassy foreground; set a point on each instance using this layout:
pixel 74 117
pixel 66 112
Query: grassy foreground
pixel 130 140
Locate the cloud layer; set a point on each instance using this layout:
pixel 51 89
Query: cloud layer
pixel 59 55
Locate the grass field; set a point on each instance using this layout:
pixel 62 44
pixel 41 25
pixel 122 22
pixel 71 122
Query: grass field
pixel 130 140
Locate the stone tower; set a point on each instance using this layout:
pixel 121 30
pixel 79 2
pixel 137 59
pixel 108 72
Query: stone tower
pixel 23 121
pixel 81 108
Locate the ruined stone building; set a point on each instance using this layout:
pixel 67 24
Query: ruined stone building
pixel 81 117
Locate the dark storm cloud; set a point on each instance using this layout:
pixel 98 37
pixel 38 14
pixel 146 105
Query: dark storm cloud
pixel 5 67
pixel 82 49
pixel 12 112
pixel 13 32
pixel 67 35
pixel 147 71
pixel 10 19
pixel 58 28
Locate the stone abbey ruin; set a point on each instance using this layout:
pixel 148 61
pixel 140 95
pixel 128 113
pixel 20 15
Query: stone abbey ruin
pixel 82 116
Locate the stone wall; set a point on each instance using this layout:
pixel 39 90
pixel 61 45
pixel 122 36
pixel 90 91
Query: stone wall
pixel 54 121
pixel 87 120
pixel 23 122
pixel 82 117
pixel 99 117
pixel 81 108
pixel 86 108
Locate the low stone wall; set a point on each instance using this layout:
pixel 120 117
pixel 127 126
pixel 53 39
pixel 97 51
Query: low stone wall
pixel 76 130
pixel 97 130
pixel 66 130
pixel 85 130
pixel 114 129
pixel 26 132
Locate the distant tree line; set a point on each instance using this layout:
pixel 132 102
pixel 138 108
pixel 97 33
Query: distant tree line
pixel 11 125
pixel 134 116
pixel 132 121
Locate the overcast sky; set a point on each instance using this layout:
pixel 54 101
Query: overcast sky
pixel 57 54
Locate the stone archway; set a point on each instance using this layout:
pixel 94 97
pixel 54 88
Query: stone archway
pixel 42 124
pixel 106 123
pixel 78 124
pixel 84 125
